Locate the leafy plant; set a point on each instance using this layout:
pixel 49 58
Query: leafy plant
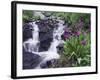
pixel 77 49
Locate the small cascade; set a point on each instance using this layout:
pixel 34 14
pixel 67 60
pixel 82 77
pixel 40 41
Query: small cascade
pixel 35 37
pixel 32 44
pixel 52 54
pixel 35 32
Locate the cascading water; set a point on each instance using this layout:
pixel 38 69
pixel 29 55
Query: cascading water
pixel 32 44
pixel 52 54
pixel 35 37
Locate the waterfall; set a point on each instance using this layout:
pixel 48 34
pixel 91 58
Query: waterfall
pixel 35 32
pixel 52 54
pixel 57 37
pixel 32 45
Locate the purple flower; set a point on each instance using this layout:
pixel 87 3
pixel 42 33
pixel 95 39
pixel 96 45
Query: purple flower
pixel 77 33
pixel 83 42
pixel 67 34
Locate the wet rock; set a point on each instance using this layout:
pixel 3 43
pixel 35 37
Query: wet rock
pixel 45 44
pixel 30 60
pixel 27 31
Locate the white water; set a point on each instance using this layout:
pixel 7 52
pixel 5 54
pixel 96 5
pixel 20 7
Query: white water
pixel 31 45
pixel 52 54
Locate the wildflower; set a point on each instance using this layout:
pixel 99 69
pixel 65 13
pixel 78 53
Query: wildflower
pixel 83 42
pixel 67 34
pixel 77 33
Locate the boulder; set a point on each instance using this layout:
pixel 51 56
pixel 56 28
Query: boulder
pixel 30 60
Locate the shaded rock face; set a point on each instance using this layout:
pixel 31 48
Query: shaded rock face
pixel 27 31
pixel 30 60
pixel 46 28
pixel 45 39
